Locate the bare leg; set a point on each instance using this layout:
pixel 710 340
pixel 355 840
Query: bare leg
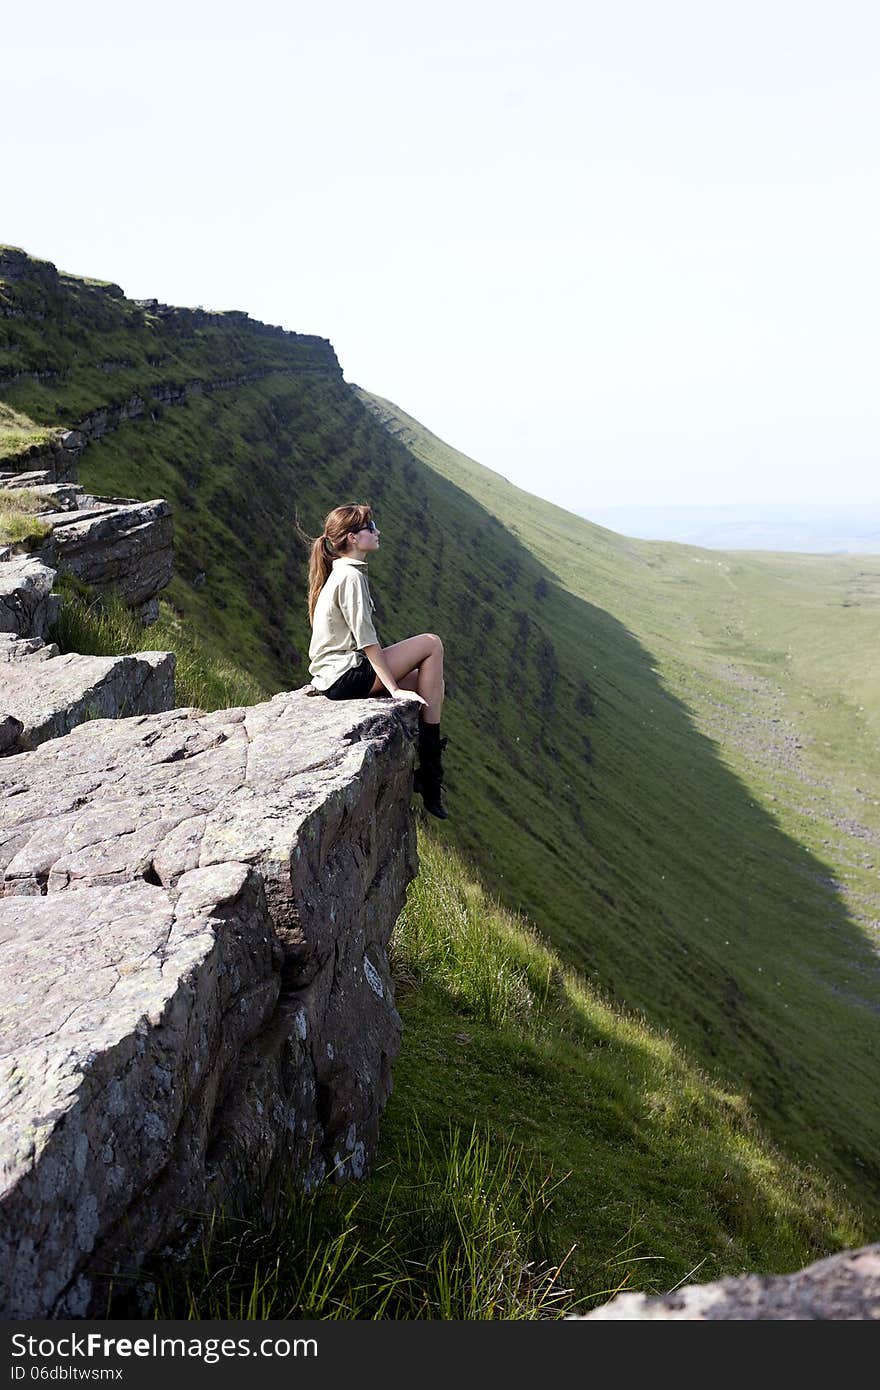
pixel 417 664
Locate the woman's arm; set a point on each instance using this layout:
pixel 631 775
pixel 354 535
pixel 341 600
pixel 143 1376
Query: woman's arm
pixel 373 653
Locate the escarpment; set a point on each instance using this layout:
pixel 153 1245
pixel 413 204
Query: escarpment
pixel 196 987
pixel 195 907
pixel 194 915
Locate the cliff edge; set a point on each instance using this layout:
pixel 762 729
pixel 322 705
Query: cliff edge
pixel 195 986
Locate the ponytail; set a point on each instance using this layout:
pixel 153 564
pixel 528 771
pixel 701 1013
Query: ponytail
pixel 320 565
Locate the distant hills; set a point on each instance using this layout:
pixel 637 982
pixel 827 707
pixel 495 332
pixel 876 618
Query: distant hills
pixel 809 530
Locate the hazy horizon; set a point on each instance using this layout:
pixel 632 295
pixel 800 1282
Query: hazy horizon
pixel 852 529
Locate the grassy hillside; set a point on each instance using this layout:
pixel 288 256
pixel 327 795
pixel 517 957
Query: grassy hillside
pixel 654 756
pixel 727 878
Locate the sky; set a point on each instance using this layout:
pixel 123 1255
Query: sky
pixel 623 253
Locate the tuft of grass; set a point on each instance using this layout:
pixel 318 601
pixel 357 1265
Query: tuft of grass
pixel 19 510
pixel 19 434
pixel 17 529
pixel 23 501
pixel 441 935
pixel 104 626
pixel 459 1235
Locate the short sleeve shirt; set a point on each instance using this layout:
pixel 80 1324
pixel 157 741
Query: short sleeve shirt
pixel 342 624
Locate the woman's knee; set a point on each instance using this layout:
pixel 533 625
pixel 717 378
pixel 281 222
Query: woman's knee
pixel 436 643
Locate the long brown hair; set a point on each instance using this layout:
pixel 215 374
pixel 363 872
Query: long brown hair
pixel 329 546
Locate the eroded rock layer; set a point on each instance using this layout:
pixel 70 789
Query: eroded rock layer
pixel 117 546
pixel 48 694
pixel 195 982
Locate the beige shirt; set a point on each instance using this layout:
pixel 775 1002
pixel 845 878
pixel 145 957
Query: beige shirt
pixel 343 622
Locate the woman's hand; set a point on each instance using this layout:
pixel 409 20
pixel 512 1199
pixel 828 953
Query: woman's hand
pixel 401 693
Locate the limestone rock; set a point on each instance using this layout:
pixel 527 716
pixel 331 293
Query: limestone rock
pixel 28 607
pixel 39 478
pixel 50 697
pixel 195 984
pixel 14 648
pixel 121 996
pixel 125 547
pixel 841 1288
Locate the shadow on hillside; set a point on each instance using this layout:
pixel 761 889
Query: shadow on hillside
pixel 586 797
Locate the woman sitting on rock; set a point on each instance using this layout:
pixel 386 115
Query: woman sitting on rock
pixel 346 661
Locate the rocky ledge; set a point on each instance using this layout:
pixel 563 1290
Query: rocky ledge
pixel 116 545
pixel 47 695
pixel 842 1288
pixel 28 607
pixel 195 983
pixel 44 695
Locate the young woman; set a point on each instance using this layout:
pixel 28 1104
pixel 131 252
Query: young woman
pixel 346 660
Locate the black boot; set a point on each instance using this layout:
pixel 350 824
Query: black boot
pixel 428 778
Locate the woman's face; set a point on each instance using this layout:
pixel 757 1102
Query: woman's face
pixel 367 540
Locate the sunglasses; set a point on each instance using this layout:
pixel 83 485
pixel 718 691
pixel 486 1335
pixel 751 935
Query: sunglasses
pixel 370 526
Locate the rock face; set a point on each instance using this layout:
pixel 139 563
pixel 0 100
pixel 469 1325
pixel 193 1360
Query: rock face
pixel 114 544
pixel 196 988
pixel 48 695
pixel 842 1288
pixel 44 695
pixel 10 730
pixel 28 608
pixel 121 546
pixel 55 461
pixel 14 648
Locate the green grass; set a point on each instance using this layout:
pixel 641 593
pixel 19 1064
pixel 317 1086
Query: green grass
pixel 19 517
pixel 542 1149
pixel 455 1234
pixel 18 435
pixel 105 627
pixel 22 501
pixel 667 1169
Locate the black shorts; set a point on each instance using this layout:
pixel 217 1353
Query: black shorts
pixel 354 684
